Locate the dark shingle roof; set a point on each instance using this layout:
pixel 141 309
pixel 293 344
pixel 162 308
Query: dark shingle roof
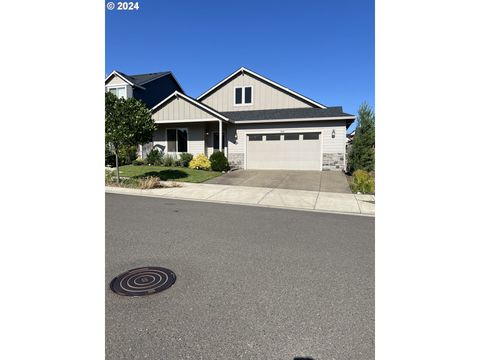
pixel 143 78
pixel 277 114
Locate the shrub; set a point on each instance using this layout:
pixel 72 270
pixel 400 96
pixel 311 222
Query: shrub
pixel 138 161
pixel 126 155
pixel 200 162
pixel 109 176
pixel 154 157
pixel 169 160
pixel 149 183
pixel 185 159
pixel 363 182
pixel 219 161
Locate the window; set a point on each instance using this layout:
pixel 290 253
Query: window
pixel 273 137
pixel 311 136
pixel 247 95
pixel 238 95
pixel 291 137
pixel 120 91
pixel 215 141
pixel 243 95
pixel 177 140
pixel 255 137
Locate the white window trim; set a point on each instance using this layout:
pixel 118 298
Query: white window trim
pixel 243 95
pixel 245 70
pixel 109 87
pixel 176 140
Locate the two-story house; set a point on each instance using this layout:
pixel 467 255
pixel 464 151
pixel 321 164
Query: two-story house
pixel 263 125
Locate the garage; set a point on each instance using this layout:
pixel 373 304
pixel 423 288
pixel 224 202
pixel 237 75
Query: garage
pixel 289 151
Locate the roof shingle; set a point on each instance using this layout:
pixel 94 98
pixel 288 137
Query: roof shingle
pixel 294 113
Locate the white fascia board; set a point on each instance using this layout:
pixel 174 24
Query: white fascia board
pixel 188 121
pixel 238 122
pixel 192 101
pixel 114 72
pixel 242 69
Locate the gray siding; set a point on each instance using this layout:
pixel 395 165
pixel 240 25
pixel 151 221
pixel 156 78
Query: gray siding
pixel 264 96
pixel 196 137
pixel 180 109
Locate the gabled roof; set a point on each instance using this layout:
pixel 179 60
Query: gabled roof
pixel 191 101
pixel 271 82
pixel 141 79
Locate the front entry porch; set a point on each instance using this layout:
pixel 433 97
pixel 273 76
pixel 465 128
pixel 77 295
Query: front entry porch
pixel 189 137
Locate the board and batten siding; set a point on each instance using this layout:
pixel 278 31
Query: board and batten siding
pixel 196 137
pixel 180 109
pixel 264 96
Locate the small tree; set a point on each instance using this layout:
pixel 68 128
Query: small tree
pixel 362 152
pixel 127 122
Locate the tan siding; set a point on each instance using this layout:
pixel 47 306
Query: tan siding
pixel 180 109
pixel 116 80
pixel 264 96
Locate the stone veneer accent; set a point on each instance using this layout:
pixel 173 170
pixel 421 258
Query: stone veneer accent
pixel 236 160
pixel 333 161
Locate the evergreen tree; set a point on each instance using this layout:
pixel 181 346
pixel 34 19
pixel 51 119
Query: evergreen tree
pixel 362 152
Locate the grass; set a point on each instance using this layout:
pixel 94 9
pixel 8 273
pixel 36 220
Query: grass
pixel 165 173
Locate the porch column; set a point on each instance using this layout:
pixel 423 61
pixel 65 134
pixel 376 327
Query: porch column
pixel 220 145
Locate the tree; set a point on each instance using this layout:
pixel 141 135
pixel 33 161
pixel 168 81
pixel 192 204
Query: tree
pixel 127 122
pixel 362 152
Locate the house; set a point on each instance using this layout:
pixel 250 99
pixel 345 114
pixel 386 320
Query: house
pixel 149 88
pixel 263 125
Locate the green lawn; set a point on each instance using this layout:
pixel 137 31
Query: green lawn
pixel 168 173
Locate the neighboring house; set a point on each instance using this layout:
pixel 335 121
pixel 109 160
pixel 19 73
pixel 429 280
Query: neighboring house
pixel 149 88
pixel 263 125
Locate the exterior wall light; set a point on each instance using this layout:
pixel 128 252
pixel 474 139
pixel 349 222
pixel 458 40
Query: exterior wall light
pixel 333 133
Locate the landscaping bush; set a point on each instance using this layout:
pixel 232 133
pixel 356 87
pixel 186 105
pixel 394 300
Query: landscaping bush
pixel 169 160
pixel 363 182
pixel 185 159
pixel 200 162
pixel 154 157
pixel 126 155
pixel 138 162
pixel 109 176
pixel 219 161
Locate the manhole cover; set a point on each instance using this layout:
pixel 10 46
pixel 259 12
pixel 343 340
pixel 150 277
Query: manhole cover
pixel 143 281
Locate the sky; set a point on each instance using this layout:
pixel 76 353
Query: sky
pixel 323 49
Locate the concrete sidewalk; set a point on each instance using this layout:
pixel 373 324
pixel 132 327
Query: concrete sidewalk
pixel 261 196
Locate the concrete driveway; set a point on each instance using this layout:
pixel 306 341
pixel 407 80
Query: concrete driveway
pixel 325 181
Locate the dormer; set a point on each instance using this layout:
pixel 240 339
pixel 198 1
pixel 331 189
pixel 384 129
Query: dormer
pixel 119 84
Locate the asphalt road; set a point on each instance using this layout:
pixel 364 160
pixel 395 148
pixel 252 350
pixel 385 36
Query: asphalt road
pixel 252 282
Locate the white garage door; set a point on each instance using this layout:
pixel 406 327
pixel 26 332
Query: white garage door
pixel 290 151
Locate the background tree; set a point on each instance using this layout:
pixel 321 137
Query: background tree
pixel 362 152
pixel 127 122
